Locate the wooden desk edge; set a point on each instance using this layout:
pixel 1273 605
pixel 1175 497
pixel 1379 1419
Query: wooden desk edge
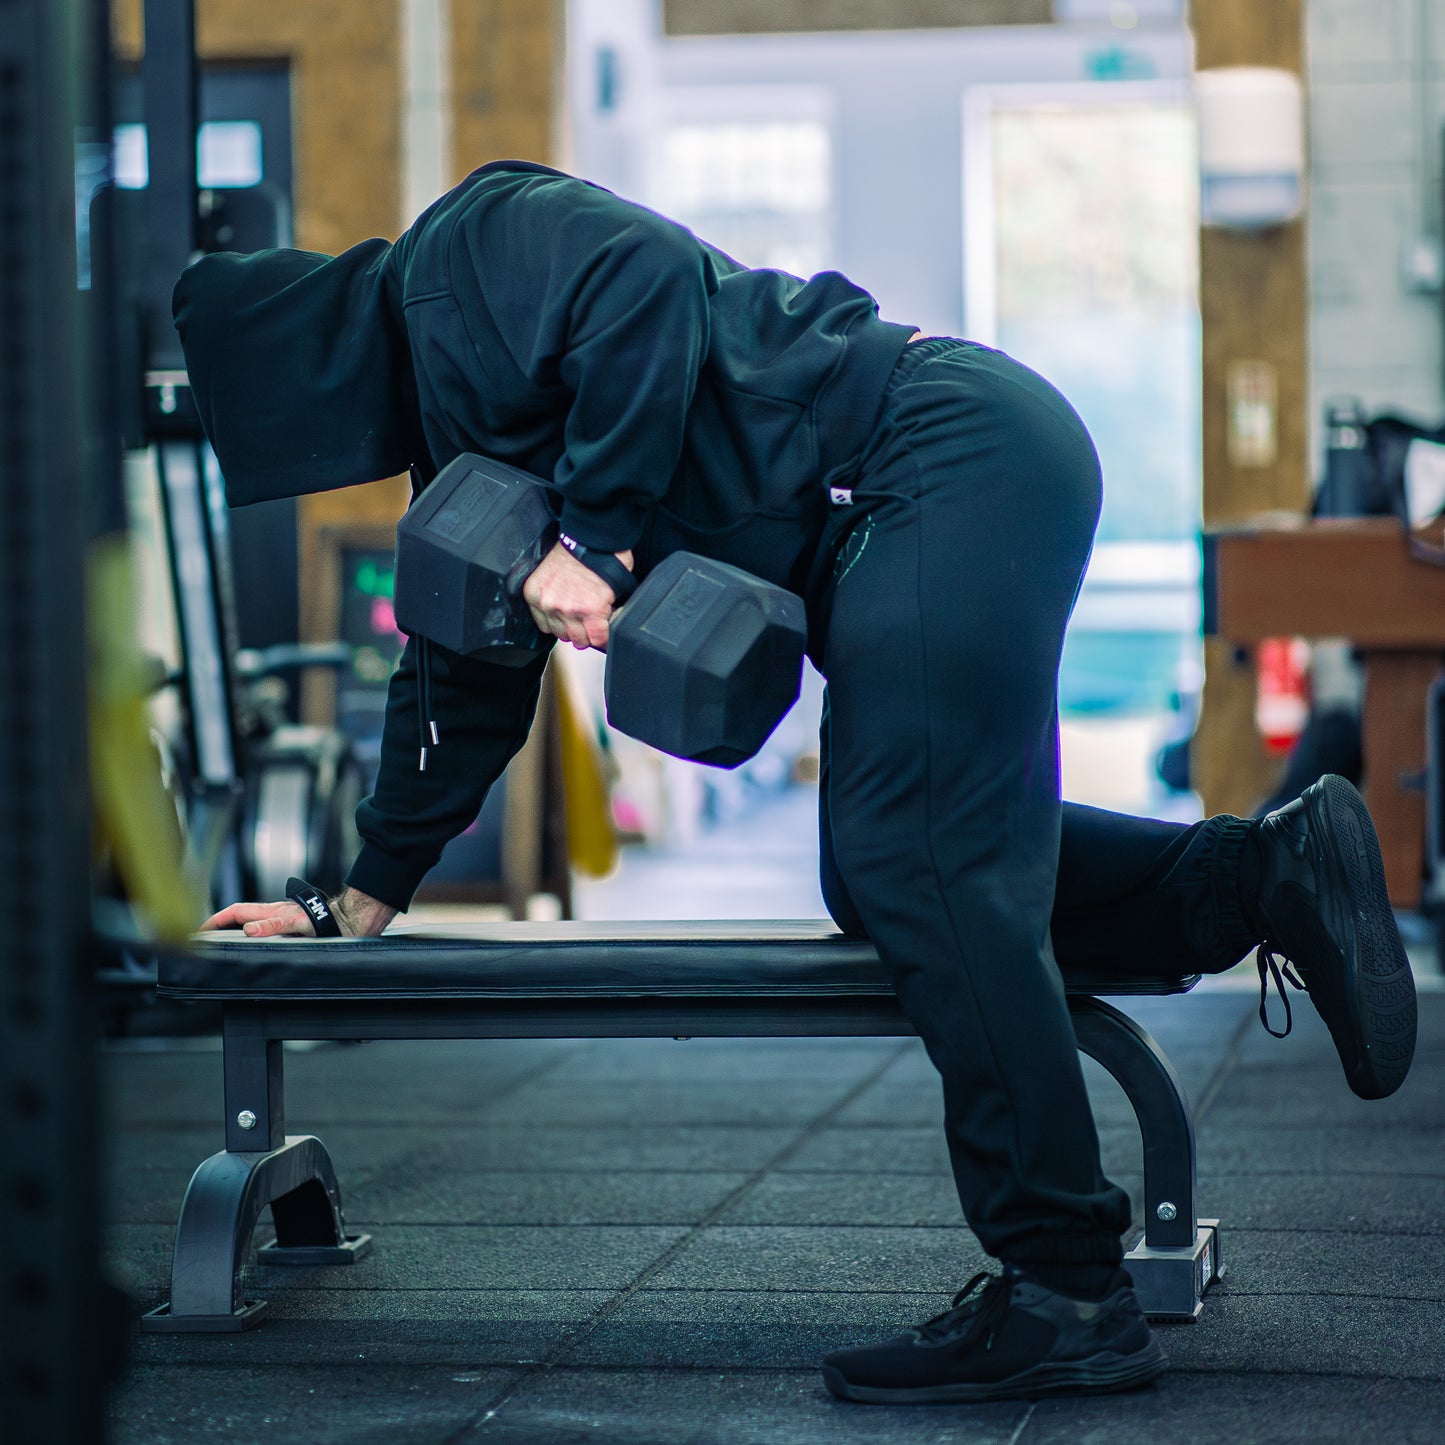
pixel 1335 577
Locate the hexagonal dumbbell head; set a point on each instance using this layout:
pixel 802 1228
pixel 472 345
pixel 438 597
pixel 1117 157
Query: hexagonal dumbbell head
pixel 704 660
pixel 464 549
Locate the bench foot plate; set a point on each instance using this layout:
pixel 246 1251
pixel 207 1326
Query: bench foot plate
pixel 161 1321
pixel 295 1255
pixel 1170 1281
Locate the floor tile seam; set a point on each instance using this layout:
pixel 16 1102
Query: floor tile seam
pixel 601 1368
pixel 1313 1232
pixel 1293 1128
pixel 1176 1371
pixel 688 1224
pixel 572 1341
pixel 1236 1293
pixel 466 1429
pixel 631 1170
pixel 526 1172
pixel 222 1363
pixel 360 1221
pixel 1028 1415
pixel 941 1172
pixel 519 1224
pixel 532 1127
pixel 591 1173
pixel 1424 1061
pixel 1424 1174
pixel 410 1124
pixel 961 1226
pixel 1236 1373
pixel 308 1290
pixel 419 1157
pixel 1230 1058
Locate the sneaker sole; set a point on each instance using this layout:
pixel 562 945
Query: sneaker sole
pixel 1378 976
pixel 1104 1374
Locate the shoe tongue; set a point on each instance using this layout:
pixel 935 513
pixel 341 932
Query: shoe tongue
pixel 969 1305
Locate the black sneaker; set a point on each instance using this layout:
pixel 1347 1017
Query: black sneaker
pixel 1324 909
pixel 1005 1338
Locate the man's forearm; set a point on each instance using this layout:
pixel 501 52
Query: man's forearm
pixel 482 711
pixel 361 915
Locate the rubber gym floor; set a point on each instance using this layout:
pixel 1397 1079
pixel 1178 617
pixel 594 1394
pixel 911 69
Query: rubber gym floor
pixel 653 1242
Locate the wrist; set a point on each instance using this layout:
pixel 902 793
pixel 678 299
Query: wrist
pixel 361 915
pixel 609 566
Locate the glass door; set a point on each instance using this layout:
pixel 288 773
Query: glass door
pixel 1081 260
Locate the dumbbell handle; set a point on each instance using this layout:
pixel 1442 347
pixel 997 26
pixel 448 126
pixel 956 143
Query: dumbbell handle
pixel 605 565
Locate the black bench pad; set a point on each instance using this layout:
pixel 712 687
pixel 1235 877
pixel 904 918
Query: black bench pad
pixel 517 961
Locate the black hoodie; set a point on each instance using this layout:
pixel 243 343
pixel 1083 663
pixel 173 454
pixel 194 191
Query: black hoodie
pixel 675 398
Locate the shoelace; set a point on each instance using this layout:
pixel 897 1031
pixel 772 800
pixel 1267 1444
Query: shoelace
pixel 1272 963
pixel 976 1310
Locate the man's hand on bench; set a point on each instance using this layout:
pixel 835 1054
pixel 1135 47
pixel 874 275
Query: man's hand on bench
pixel 359 915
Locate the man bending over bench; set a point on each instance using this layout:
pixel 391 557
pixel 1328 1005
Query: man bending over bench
pixel 934 503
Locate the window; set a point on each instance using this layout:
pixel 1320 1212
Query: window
pixel 760 190
pixel 228 153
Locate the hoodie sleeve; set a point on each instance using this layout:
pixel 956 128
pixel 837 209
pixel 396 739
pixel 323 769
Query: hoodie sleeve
pixel 483 713
pixel 611 301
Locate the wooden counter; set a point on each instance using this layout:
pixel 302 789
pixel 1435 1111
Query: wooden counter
pixel 1352 578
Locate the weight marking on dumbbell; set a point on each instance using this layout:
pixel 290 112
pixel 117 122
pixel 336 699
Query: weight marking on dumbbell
pixel 469 508
pixel 677 612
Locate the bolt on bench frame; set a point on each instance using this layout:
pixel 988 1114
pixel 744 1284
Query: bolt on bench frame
pixel 584 981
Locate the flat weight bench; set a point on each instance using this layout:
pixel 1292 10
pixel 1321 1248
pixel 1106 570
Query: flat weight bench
pixel 573 980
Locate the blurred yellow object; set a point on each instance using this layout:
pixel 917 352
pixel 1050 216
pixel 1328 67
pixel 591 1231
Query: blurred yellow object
pixel 135 817
pixel 591 839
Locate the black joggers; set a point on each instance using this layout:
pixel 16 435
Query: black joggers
pixel 943 837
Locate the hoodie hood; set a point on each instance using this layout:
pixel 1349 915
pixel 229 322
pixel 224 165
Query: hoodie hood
pixel 300 368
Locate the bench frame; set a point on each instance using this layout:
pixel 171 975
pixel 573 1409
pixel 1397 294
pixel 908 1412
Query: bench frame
pixel 1173 1262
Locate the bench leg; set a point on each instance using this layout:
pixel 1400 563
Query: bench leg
pixel 225 1199
pixel 260 1166
pixel 1178 1256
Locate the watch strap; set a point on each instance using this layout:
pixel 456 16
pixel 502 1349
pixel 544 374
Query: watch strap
pixel 318 910
pixel 605 565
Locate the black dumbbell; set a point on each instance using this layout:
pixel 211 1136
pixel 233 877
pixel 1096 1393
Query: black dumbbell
pixel 463 551
pixel 702 661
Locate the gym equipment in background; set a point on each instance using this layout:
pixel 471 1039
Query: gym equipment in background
pixel 259 796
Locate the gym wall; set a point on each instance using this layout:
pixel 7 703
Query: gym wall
pixel 1377 108
pixel 357 82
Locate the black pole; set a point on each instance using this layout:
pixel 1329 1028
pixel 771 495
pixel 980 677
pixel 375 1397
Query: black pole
pixel 54 1365
pixel 172 224
pixel 170 80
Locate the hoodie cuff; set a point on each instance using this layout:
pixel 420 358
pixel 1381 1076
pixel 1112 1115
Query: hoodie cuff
pixel 1234 880
pixel 611 529
pixel 387 878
